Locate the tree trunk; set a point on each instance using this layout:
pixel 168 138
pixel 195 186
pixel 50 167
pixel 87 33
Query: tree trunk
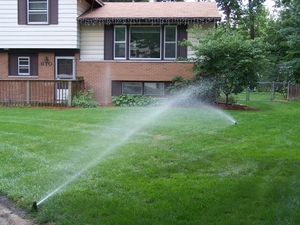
pixel 226 99
pixel 251 18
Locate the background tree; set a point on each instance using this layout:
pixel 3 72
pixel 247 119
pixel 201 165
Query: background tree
pixel 289 21
pixel 231 9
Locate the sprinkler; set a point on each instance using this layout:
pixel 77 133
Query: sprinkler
pixel 235 122
pixel 34 206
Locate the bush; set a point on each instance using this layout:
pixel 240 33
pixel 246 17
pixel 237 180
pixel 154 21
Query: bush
pixel 232 99
pixel 134 100
pixel 84 99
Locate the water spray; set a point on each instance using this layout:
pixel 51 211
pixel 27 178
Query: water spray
pixel 144 120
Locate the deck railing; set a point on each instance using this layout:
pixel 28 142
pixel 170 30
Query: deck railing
pixel 39 92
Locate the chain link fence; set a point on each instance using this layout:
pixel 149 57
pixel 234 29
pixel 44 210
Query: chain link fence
pixel 272 91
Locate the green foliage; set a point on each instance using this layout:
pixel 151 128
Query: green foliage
pixel 84 99
pixel 198 89
pixel 229 58
pixel 290 30
pixel 134 100
pixel 232 99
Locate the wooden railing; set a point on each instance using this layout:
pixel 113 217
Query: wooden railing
pixel 39 92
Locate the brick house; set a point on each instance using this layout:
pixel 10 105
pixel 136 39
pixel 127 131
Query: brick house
pixel 116 47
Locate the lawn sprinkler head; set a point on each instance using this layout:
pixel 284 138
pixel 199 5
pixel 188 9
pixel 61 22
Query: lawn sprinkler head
pixel 34 206
pixel 235 122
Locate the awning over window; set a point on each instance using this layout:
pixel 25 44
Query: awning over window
pixel 152 12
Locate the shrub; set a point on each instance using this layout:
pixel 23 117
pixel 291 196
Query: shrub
pixel 84 99
pixel 232 99
pixel 134 100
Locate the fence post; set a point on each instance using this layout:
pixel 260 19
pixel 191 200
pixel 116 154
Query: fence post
pixel 70 93
pixel 28 92
pixel 288 92
pixel 248 94
pixel 273 91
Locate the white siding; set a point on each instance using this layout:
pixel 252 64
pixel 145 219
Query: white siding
pixel 191 37
pixel 82 6
pixel 92 43
pixel 63 35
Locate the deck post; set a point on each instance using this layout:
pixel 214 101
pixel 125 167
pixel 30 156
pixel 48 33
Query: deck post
pixel 70 93
pixel 28 92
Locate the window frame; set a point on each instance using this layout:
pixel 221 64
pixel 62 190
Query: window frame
pixel 40 11
pixel 73 67
pixel 141 86
pixel 144 88
pixel 160 43
pixel 20 58
pixel 175 42
pixel 120 42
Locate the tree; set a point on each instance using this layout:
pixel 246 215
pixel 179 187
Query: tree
pixel 228 58
pixel 290 29
pixel 238 14
pixel 232 10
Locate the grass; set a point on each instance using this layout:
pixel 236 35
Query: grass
pixel 182 166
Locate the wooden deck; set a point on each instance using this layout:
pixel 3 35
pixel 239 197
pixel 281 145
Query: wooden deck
pixel 39 92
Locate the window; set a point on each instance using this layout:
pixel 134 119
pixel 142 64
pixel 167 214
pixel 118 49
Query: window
pixel 120 42
pixel 143 88
pixel 23 66
pixel 134 88
pixel 145 42
pixel 65 67
pixel 154 88
pixel 170 42
pixel 37 11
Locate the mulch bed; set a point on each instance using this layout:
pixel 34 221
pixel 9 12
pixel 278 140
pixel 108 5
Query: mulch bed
pixel 233 107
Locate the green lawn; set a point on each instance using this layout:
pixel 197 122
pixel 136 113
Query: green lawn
pixel 145 166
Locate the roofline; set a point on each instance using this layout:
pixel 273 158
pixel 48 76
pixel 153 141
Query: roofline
pixel 98 2
pixel 149 20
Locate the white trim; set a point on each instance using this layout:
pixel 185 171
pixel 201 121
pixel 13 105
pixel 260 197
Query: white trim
pixel 120 42
pixel 27 59
pixel 42 11
pixel 73 67
pixel 170 42
pixel 160 43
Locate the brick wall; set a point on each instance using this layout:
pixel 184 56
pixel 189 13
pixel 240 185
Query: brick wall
pixel 3 65
pixel 46 70
pixel 98 75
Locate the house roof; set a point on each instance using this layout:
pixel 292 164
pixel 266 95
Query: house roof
pixel 123 12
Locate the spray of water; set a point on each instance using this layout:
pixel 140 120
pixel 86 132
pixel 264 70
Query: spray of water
pixel 140 121
pixel 124 133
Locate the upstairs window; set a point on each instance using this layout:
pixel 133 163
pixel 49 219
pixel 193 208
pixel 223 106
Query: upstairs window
pixel 120 42
pixel 170 42
pixel 145 42
pixel 37 12
pixel 23 66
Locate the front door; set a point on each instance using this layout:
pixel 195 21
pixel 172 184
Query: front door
pixel 64 71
